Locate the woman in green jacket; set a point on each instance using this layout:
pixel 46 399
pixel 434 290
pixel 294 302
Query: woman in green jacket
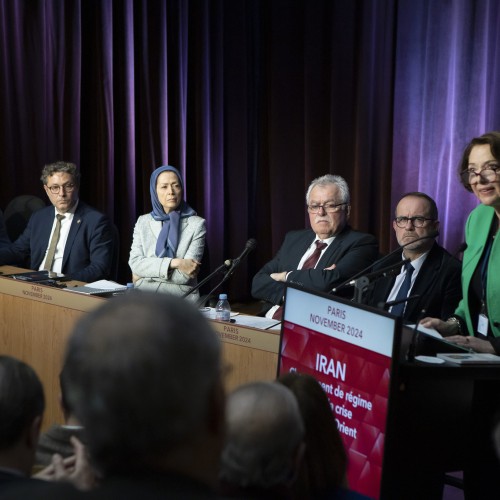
pixel 476 321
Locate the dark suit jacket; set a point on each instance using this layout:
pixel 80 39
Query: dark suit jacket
pixel 88 251
pixel 133 486
pixel 351 251
pixel 437 284
pixel 4 238
pixel 12 482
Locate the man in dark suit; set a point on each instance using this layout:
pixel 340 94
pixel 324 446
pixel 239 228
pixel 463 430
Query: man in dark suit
pixel 435 277
pixel 71 237
pixel 345 251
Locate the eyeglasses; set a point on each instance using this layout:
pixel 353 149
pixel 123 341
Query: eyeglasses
pixel 67 187
pixel 416 221
pixel 488 173
pixel 329 207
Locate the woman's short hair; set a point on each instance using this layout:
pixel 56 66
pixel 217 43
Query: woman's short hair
pixel 491 138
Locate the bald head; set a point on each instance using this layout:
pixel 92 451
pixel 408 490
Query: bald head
pixel 264 430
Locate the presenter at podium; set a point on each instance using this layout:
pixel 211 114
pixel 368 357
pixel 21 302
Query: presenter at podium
pixel 476 321
pixel 321 257
pixel 431 276
pixel 168 243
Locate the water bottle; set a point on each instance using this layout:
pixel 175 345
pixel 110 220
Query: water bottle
pixel 130 287
pixel 223 309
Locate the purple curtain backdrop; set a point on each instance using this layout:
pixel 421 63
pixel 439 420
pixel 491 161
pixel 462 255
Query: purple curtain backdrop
pixel 250 100
pixel 446 83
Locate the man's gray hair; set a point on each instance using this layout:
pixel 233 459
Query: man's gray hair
pixel 264 429
pixel 328 179
pixel 63 167
pixel 140 374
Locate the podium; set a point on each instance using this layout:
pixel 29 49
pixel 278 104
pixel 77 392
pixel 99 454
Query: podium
pixel 36 320
pixel 404 423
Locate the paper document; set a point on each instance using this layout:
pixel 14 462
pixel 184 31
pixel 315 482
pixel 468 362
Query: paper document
pixel 428 331
pixel 472 358
pixel 256 322
pixel 101 287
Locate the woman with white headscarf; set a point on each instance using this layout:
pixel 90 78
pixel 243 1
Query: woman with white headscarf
pixel 168 243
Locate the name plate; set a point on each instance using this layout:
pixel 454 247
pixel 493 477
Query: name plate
pixel 245 336
pixel 48 294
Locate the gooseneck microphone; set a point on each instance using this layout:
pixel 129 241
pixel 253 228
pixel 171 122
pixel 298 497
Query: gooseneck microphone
pixel 383 305
pixel 249 246
pixel 352 280
pixel 223 267
pixel 386 271
pixel 230 265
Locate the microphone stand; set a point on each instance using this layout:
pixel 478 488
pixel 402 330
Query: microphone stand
pixel 383 305
pixel 205 280
pixel 380 261
pixel 361 283
pixel 206 297
pixel 231 265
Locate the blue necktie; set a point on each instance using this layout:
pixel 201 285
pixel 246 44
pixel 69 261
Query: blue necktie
pixel 398 309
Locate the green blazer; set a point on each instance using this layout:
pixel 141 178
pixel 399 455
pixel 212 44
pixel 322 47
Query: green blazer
pixel 477 230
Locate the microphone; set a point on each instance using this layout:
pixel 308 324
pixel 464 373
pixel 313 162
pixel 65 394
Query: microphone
pixel 381 260
pixel 249 246
pixel 225 265
pixel 231 265
pixel 386 271
pixel 383 305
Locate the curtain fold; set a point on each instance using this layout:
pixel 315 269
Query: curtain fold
pixel 250 100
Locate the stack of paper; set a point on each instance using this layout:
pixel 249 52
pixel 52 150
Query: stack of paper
pixel 101 287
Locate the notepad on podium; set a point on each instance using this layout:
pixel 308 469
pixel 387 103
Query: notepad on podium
pixel 101 287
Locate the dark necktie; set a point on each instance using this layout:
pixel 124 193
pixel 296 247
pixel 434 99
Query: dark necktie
pixel 310 263
pixel 398 309
pixel 312 260
pixel 49 260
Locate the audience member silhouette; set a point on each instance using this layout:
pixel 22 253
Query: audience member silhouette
pixel 21 411
pixel 264 442
pixel 57 439
pixel 144 378
pixel 323 470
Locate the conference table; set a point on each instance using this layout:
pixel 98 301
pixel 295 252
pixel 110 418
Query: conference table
pixel 36 320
